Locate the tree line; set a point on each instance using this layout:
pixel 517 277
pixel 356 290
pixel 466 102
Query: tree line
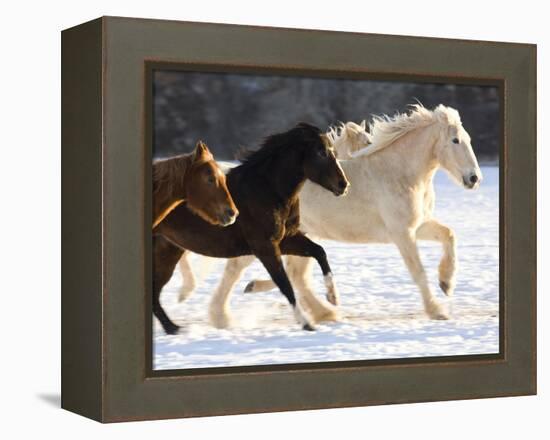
pixel 234 111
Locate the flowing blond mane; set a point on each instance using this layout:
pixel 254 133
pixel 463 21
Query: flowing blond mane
pixel 343 138
pixel 334 133
pixel 385 130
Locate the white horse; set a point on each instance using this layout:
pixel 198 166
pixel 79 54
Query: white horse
pixel 391 200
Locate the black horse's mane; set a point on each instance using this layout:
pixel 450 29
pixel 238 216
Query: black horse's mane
pixel 278 144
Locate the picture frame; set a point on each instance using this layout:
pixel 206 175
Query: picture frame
pixel 106 212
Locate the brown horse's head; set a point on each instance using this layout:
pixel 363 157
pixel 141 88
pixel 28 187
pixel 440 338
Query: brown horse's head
pixel 207 193
pixel 320 164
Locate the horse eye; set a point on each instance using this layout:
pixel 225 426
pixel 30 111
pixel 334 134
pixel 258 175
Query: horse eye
pixel 322 153
pixel 455 140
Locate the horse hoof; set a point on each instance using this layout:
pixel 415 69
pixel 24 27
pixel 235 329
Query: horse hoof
pixel 333 299
pixel 446 288
pixel 249 287
pixel 439 315
pixel 328 314
pixel 172 329
pixel 308 327
pixel 436 312
pixel 220 320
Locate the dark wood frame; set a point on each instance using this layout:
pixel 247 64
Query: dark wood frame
pixel 106 202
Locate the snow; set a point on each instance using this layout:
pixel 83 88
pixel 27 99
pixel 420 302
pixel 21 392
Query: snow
pixel 382 314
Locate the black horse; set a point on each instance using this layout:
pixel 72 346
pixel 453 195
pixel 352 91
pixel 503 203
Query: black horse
pixel 265 190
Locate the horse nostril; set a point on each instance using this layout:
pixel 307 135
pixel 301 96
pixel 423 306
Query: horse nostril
pixel 229 212
pixel 342 184
pixel 473 178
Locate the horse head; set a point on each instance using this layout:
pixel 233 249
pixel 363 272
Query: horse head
pixel 207 193
pixel 454 149
pixel 320 164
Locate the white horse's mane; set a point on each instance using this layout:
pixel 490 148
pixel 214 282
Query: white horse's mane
pixel 385 130
pixel 336 132
pixel 343 133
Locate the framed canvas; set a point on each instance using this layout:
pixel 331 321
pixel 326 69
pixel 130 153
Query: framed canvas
pixel 138 93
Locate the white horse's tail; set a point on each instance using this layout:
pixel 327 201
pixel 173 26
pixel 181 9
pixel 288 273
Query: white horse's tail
pixel 192 274
pixel 204 265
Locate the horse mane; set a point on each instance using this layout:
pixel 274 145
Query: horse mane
pixel 168 171
pixel 276 145
pixel 385 130
pixel 168 175
pixel 336 134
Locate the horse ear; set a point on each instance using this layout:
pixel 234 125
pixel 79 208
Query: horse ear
pixel 201 152
pixel 363 124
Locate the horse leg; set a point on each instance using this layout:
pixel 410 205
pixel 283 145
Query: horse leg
pixel 165 258
pixel 300 245
pixel 435 231
pixel 219 305
pixel 259 286
pixel 270 256
pixel 299 272
pixel 189 281
pixel 407 247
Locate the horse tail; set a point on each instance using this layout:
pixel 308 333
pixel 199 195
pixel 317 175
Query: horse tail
pixel 204 266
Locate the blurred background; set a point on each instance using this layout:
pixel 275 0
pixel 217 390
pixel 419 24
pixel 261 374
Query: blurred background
pixel 231 111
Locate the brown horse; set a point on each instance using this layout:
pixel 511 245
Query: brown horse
pixel 196 179
pixel 265 188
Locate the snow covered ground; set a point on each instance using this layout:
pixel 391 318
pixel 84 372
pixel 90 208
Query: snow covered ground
pixel 381 307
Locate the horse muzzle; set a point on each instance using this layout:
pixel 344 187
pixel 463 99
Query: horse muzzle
pixel 471 180
pixel 228 217
pixel 341 188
